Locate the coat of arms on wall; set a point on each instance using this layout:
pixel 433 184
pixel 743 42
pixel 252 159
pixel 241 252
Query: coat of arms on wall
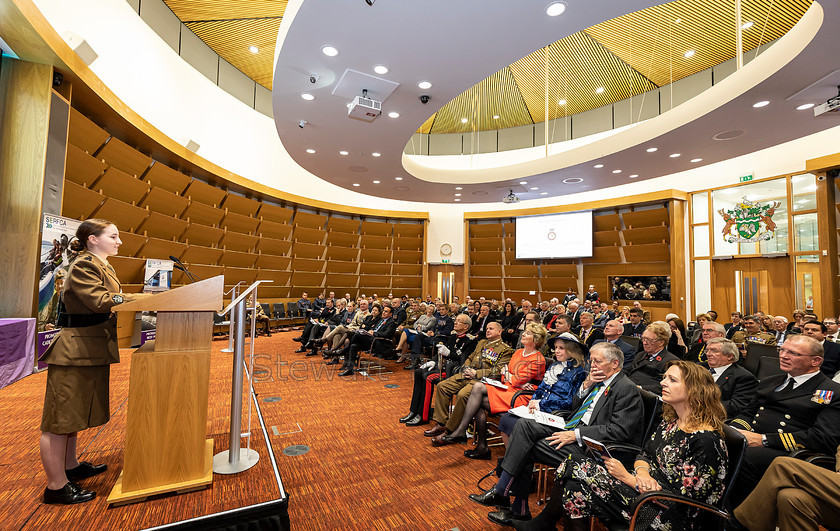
pixel 749 221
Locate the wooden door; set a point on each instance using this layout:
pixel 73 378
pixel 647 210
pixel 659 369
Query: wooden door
pixel 446 281
pixel 751 284
pixel 808 288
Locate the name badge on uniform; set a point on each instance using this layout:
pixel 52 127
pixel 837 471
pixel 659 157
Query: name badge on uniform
pixel 822 397
pixel 490 354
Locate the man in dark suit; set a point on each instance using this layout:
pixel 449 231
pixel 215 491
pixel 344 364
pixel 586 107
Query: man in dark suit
pixel 573 310
pixel 697 351
pixel 363 339
pixel 831 358
pixel 734 326
pixel 796 410
pixel 612 334
pixel 443 328
pixel 612 411
pixel 737 384
pixel 479 327
pixel 780 323
pixel 587 331
pixel 635 327
pixel 652 361
pixel 400 315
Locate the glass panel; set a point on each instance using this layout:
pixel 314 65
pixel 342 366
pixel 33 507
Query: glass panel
pixel 804 192
pixel 808 282
pixel 757 212
pixel 701 240
pixel 807 237
pixel 702 285
pixel 700 207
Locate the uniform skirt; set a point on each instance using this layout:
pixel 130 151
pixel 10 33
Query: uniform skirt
pixel 76 398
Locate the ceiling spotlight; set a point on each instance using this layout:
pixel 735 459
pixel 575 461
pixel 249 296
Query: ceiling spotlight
pixel 689 54
pixel 329 51
pixel 370 2
pixel 523 183
pixel 495 116
pixel 633 176
pixel 651 149
pixel 747 25
pixel 343 153
pixel 804 106
pixel 356 184
pixel 457 199
pixel 307 96
pixel 375 182
pixel 457 195
pixel 464 120
pixel 696 160
pixel 616 171
pixel 310 151
pixel 380 69
pixel 555 9
pixel 599 90
pixel 398 178
pixel 253 49
pixel 674 155
pixel 459 187
pixel 543 193
pixel 561 102
pixel 424 85
pixel 573 180
pixel 597 166
pixel 374 154
pixel 393 114
pixel 760 104
pixel 534 188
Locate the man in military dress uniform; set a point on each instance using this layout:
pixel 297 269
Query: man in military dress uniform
pixel 797 410
pixel 752 332
pixel 487 360
pixel 457 346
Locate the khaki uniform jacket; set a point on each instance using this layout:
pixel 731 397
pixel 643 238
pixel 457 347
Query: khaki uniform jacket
pixel 358 319
pixel 487 359
pixel 91 287
pixel 765 338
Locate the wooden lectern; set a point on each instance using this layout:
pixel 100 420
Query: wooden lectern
pixel 166 426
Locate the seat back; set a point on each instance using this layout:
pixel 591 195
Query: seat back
pixel 762 360
pixel 653 413
pixel 632 341
pixel 266 308
pixel 279 310
pixel 736 446
pixel 292 310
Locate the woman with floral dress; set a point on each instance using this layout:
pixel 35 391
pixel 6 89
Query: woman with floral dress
pixel 685 455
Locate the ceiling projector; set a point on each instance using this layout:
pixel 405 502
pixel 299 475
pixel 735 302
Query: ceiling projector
pixel 364 108
pixel 510 198
pixel 832 105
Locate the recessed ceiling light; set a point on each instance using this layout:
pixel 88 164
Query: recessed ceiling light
pixel 398 178
pixel 689 54
pixel 375 154
pixel 543 193
pixel 375 182
pixel 425 85
pixel 555 9
pixel 599 90
pixel 380 69
pixel 616 171
pixel 651 149
pixel 696 160
pixel 674 155
pixel 310 151
pixel 464 120
pixel 329 51
pixel 393 114
pixel 457 195
pixel 677 21
pixel 356 184
pixel 747 25
pixel 457 199
pixel 760 104
pixel 598 166
pixel 804 106
pixel 343 153
pixel 561 102
pixel 495 116
pixel 459 187
pixel 534 188
pixel 523 183
pixel 307 96
pixel 573 180
pixel 253 49
pixel 633 176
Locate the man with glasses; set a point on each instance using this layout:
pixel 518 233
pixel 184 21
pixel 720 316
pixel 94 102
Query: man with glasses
pixel 737 384
pixel 652 361
pixel 796 410
pixel 780 323
pixel 831 358
pixel 832 329
pixel 710 330
pixel 752 333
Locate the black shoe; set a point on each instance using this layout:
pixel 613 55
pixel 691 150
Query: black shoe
pixel 298 339
pixel 412 366
pixel 346 372
pixel 301 349
pixel 491 498
pixel 333 361
pixel 408 417
pixel 505 516
pixel 417 421
pixel 68 495
pixel 85 470
pixel 312 352
pixel 472 454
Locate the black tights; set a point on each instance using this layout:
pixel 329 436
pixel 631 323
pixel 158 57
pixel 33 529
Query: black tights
pixel 477 407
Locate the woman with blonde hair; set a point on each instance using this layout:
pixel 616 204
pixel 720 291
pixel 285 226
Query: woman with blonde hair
pixel 686 455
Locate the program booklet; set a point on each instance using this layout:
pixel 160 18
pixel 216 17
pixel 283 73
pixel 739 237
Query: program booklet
pixel 494 383
pixel 550 420
pixel 597 448
pixel 521 412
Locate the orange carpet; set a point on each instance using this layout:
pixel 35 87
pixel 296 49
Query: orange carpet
pixel 363 470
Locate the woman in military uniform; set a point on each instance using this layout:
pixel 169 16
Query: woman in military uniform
pixel 79 361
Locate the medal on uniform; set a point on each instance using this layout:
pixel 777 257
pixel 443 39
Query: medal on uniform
pixel 822 397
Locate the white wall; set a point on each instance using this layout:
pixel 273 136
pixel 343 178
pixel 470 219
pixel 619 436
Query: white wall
pixel 150 77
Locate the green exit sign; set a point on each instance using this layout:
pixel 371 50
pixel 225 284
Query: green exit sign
pixel 745 178
pixel 444 261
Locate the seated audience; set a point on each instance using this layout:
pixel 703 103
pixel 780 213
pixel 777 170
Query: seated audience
pixel 831 355
pixel 604 315
pixel 510 321
pixel 612 334
pixel 458 345
pixel 780 329
pixel 485 317
pixel 524 371
pixel 794 495
pixel 378 324
pixel 487 360
pixel 734 325
pixel 737 384
pixel 697 331
pixel 624 314
pixel 710 330
pixel 569 297
pixel 406 330
pixel 833 330
pixel 646 316
pixel 685 455
pixel 767 324
pixel 795 326
pixel 428 337
pixel 634 327
pixel 313 328
pixel 795 410
pixel 607 407
pixel 591 295
pixel 339 337
pixel 400 315
pixel 560 324
pixel 304 305
pixel 752 333
pixel 677 343
pixel 319 303
pixel 262 318
pixel 651 362
pixel 325 326
pixel 573 310
pixel 587 331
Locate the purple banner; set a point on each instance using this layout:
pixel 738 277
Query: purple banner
pixel 45 339
pixel 17 349
pixel 147 335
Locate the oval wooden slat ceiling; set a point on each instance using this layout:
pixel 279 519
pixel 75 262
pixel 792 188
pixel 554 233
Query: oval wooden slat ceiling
pixel 627 56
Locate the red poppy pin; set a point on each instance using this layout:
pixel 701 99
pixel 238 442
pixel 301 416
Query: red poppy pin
pixel 658 358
